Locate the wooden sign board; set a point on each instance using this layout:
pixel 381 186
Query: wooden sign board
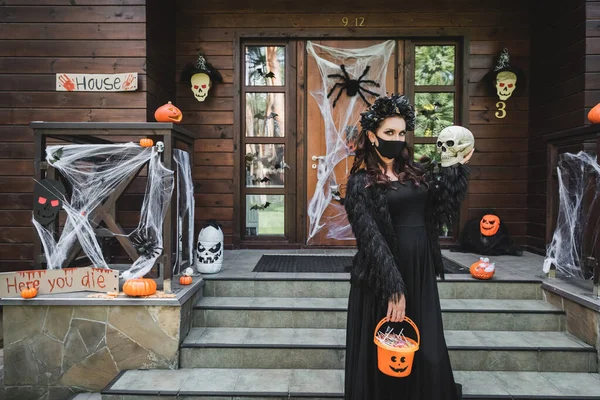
pixel 49 281
pixel 67 82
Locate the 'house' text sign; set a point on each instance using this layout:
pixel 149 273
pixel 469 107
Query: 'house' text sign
pixel 67 82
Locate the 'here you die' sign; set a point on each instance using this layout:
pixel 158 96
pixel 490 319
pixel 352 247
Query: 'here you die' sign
pixel 67 82
pixel 65 280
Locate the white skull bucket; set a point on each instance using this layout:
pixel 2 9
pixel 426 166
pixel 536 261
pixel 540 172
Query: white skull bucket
pixel 209 251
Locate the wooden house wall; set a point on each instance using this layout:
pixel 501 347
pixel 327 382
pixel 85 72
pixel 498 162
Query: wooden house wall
pixel 39 38
pixel 565 84
pixel 499 178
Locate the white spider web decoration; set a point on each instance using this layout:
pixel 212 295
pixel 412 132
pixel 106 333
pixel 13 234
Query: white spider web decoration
pixel 94 172
pixel 578 189
pixel 339 121
pixel 185 188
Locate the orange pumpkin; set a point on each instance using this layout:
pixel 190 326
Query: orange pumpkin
pixel 146 142
pixel 478 270
pixel 594 114
pixel 168 113
pixel 489 225
pixel 139 287
pixel 185 280
pixel 29 293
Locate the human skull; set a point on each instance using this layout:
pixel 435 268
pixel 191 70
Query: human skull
pixel 200 86
pixel 160 147
pixel 454 143
pixel 506 82
pixel 209 251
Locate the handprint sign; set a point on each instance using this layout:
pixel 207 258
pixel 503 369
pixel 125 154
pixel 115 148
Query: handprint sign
pixel 73 82
pixel 66 82
pixel 127 85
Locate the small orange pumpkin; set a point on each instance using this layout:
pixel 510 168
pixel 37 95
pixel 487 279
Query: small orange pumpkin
pixel 168 113
pixel 594 114
pixel 29 293
pixel 489 225
pixel 139 287
pixel 478 269
pixel 146 142
pixel 185 280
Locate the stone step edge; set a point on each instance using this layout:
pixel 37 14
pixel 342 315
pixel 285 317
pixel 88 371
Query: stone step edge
pixel 343 347
pixel 345 308
pixel 108 391
pixel 345 277
pixel 444 310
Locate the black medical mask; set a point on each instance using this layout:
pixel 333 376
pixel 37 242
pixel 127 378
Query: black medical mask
pixel 390 148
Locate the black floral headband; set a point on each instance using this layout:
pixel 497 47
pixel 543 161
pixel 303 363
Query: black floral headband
pixel 384 107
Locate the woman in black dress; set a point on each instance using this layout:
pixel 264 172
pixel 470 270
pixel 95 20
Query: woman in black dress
pixel 396 208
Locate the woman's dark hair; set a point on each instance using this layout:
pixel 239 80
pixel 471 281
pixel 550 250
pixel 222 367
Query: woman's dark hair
pixel 366 155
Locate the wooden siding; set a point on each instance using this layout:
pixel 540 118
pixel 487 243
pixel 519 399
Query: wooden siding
pixel 39 38
pixel 499 169
pixel 565 84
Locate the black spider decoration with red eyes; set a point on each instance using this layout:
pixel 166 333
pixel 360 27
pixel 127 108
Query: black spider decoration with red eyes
pixel 352 86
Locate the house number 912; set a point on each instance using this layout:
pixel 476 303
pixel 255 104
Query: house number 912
pixel 358 21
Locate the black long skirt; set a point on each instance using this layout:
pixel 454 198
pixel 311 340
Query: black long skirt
pixel 431 377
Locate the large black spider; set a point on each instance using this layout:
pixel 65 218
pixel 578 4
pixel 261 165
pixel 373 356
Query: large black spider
pixel 146 246
pixel 352 86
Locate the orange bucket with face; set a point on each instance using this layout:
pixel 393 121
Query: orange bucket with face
pixel 396 361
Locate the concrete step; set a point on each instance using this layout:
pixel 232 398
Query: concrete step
pixel 325 349
pixel 287 312
pixel 338 285
pixel 280 384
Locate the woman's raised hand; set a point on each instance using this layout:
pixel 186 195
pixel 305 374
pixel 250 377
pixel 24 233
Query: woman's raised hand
pixel 396 309
pixel 467 157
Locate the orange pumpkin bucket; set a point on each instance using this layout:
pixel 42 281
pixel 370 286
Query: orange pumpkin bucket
pixel 396 361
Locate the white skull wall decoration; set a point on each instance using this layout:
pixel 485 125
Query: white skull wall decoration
pixel 209 250
pixel 201 76
pixel 201 85
pixel 454 143
pixel 506 82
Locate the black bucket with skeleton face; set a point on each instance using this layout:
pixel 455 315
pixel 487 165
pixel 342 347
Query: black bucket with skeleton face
pixel 209 250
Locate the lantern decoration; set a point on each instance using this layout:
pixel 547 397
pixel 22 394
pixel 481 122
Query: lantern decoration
pixel 48 198
pixel 594 114
pixel 168 113
pixel 139 287
pixel 505 79
pixel 29 293
pixel 146 142
pixel 489 225
pixel 201 77
pixel 482 269
pixel 209 251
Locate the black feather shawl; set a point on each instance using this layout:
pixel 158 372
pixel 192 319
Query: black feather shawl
pixel 375 263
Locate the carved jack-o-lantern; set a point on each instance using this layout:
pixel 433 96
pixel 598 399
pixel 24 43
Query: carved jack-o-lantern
pixel 168 113
pixel 489 225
